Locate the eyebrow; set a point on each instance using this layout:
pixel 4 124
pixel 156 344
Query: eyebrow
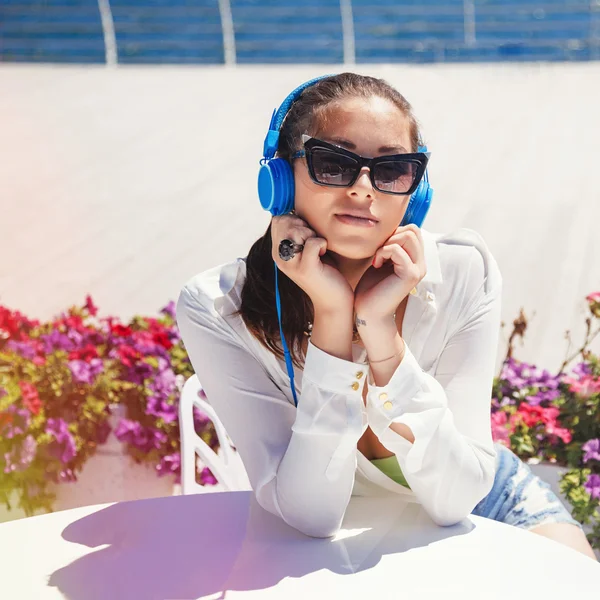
pixel 350 146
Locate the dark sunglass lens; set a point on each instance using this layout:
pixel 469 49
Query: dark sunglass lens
pixel 395 176
pixel 330 168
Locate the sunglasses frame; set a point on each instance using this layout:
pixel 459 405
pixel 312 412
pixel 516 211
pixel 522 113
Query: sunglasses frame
pixel 310 143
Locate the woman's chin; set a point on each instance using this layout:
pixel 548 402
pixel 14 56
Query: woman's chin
pixel 351 253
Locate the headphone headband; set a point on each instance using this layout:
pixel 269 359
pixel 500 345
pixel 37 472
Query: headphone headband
pixel 272 139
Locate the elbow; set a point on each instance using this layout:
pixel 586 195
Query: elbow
pixel 312 523
pixel 467 495
pixel 314 530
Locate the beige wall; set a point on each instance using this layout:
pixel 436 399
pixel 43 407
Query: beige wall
pixel 125 182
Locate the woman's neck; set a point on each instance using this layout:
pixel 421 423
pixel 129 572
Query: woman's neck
pixel 352 269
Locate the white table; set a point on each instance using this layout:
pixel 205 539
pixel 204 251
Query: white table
pixel 189 547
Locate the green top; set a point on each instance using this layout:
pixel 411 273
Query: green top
pixel 390 467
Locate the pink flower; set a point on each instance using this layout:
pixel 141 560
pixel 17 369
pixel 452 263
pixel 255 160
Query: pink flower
pixel 585 387
pixel 207 478
pixel 499 429
pixel 31 399
pixel 561 432
pixel 593 297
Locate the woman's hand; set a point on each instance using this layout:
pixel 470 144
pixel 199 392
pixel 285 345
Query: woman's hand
pixel 310 269
pixel 397 268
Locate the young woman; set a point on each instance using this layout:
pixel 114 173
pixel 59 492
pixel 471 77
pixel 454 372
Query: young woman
pixel 393 332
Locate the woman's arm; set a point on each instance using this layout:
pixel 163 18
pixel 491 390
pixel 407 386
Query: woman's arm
pixel 300 461
pixel 450 464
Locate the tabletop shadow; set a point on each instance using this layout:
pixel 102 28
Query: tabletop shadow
pixel 188 547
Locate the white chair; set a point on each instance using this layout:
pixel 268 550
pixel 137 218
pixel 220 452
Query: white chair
pixel 226 466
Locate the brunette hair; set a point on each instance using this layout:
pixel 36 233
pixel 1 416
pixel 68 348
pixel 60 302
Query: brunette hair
pixel 306 115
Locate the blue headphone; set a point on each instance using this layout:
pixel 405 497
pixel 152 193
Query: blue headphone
pixel 276 194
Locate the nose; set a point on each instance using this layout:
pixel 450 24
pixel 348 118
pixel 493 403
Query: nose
pixel 362 187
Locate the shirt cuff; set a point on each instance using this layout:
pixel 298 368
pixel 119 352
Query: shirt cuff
pixel 333 373
pixel 390 401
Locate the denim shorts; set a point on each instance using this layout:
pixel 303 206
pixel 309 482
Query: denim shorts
pixel 520 498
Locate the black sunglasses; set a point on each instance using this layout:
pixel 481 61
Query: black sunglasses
pixel 334 166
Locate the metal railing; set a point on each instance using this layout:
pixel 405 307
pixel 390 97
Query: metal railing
pixel 352 32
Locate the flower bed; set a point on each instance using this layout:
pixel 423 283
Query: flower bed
pixel 556 419
pixel 59 380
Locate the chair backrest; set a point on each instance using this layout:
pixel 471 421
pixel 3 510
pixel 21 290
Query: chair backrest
pixel 226 466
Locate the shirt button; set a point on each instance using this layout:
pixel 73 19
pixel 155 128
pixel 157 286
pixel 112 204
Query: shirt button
pixel 359 375
pixel 383 396
pixel 355 385
pixel 388 405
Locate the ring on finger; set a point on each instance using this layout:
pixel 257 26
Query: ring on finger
pixel 288 249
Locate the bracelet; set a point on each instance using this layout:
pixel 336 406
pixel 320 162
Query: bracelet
pixel 388 358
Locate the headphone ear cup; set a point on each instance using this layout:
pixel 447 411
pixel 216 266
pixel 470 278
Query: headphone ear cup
pixel 419 204
pixel 276 186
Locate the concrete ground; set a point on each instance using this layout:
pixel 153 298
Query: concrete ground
pixel 125 182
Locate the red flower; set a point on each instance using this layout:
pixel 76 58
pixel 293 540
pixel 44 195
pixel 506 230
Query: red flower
pixel 14 325
pixel 128 355
pixel 531 415
pixel 90 306
pixel 162 338
pixel 86 353
pixel 120 330
pixel 30 396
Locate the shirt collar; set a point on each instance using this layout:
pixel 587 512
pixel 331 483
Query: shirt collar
pixel 432 259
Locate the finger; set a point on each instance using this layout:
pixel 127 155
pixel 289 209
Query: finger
pixel 411 242
pixel 314 248
pixel 300 234
pixel 393 252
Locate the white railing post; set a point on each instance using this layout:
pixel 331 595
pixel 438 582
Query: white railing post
pixel 108 29
pixel 469 16
pixel 228 32
pixel 348 32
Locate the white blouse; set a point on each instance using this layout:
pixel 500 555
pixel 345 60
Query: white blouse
pixel 303 463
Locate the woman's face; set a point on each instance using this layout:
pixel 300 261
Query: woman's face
pixel 369 127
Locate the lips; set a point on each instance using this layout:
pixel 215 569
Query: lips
pixel 358 216
pixel 355 221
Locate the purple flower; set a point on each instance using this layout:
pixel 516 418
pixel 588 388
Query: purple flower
pixel 143 438
pixel 201 420
pixel 207 478
pixel 582 369
pixel 57 341
pixel 139 372
pixel 165 381
pixel 592 486
pixel 19 458
pixel 63 447
pixel 169 309
pixel 592 450
pixel 160 408
pixel 24 349
pixel 85 372
pixel 522 381
pixel 171 463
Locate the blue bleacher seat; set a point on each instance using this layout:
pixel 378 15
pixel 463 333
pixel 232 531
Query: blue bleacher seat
pixel 307 31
